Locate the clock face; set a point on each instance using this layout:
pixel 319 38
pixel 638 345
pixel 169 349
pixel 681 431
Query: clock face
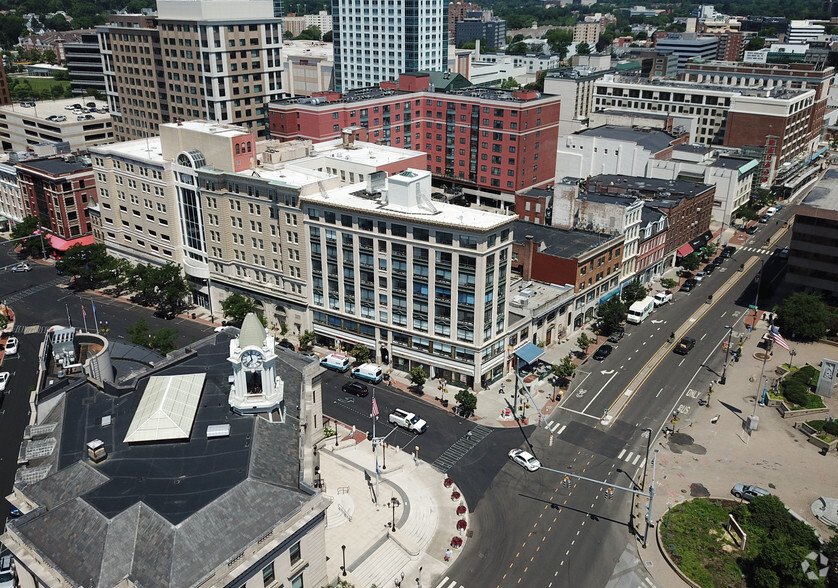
pixel 251 358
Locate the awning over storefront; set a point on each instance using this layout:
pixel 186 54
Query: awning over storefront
pixel 611 294
pixel 685 250
pixel 60 244
pixel 529 352
pixel 701 241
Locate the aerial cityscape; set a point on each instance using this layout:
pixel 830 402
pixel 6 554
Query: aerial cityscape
pixel 444 294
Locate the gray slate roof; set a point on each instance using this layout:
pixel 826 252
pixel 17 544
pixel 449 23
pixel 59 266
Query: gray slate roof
pixel 652 139
pixel 165 514
pixel 564 243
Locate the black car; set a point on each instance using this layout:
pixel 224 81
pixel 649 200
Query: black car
pixel 728 251
pixel 751 230
pixel 709 269
pixel 684 346
pixel 717 262
pixel 603 352
pixel 688 285
pixel 355 388
pixel 286 344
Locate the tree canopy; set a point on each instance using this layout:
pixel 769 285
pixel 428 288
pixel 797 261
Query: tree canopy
pixel 611 313
pixel 633 291
pixel 803 316
pixel 236 307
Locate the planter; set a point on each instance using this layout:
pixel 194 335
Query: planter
pixel 448 482
pixel 456 542
pixel 461 510
pixel 461 525
pixel 455 495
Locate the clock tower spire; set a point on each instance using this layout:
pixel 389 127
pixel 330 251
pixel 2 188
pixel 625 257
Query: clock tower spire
pixel 256 387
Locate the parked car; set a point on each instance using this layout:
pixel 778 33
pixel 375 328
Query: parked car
pixel 11 346
pixel 7 571
pixel 688 285
pixel 752 229
pixel 684 346
pixel 14 512
pixel 89 117
pixel 22 267
pixel 783 253
pixel 764 219
pixel 709 269
pixel 728 251
pixel 717 262
pixel 748 491
pixel 4 380
pixel 616 334
pixel 699 276
pixel 603 352
pixel 356 388
pixel 286 344
pixel 61 118
pixel 525 459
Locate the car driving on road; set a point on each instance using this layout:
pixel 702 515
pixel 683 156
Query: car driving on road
pixel 684 346
pixel 355 388
pixel 22 267
pixel 524 459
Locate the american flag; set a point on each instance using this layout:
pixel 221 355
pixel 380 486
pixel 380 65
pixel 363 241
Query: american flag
pixel 778 338
pixel 83 311
pixel 374 408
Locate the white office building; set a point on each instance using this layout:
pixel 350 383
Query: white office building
pixel 375 42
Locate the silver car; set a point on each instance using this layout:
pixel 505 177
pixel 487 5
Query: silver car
pixel 748 491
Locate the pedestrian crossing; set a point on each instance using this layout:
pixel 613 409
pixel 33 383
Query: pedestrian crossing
pixel 757 250
pixel 460 447
pixel 29 329
pixel 630 457
pixel 448 583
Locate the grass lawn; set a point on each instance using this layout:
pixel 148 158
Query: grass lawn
pixel 694 535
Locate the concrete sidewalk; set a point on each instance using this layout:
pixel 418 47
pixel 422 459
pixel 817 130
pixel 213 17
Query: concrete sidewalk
pixel 710 449
pixel 425 515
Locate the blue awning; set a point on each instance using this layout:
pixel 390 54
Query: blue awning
pixel 611 294
pixel 818 154
pixel 529 352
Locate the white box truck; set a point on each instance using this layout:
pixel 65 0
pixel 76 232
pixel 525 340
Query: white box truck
pixel 640 310
pixel 336 362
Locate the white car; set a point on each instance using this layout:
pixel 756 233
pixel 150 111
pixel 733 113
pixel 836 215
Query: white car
pixel 22 267
pixel 7 572
pixel 524 459
pixel 11 346
pixel 699 276
pixel 4 380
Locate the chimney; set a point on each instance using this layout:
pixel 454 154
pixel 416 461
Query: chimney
pixel 529 247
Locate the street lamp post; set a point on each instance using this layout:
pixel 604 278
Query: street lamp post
pixel 394 502
pixel 343 567
pixel 646 462
pixel 336 433
pixel 651 498
pixel 384 453
pixel 723 379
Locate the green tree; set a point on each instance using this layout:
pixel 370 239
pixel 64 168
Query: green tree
pixel 312 33
pixel 327 37
pixel 466 401
pixel 361 353
pixel 583 342
pixel 564 370
pixel 50 56
pixel 803 316
pixel 12 27
pixel 24 228
pixel 669 283
pixel 632 292
pixel 761 197
pixel 89 265
pixel 690 262
pixel 139 332
pixel 583 49
pixel 236 307
pixel 509 83
pixel 611 313
pixel 755 44
pixel 171 288
pixel 163 341
pixel 418 377
pixel 307 339
pixel 519 48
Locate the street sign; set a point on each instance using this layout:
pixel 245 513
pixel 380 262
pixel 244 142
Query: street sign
pixel 753 307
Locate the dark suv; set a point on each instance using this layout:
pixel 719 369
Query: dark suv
pixel 728 251
pixel 684 346
pixel 355 388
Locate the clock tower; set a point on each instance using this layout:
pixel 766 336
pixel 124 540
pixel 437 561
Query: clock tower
pixel 256 387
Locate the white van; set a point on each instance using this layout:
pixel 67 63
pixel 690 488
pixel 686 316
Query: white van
pixel 369 372
pixel 770 212
pixel 336 362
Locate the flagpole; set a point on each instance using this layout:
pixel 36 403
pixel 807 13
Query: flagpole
pixel 95 318
pixel 84 317
pixel 375 447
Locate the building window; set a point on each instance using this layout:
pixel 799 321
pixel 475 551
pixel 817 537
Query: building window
pixel 268 575
pixel 295 553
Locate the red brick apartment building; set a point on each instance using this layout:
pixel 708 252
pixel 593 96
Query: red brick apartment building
pixel 58 191
pixel 488 141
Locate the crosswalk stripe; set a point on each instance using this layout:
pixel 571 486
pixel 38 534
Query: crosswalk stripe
pixel 635 459
pixel 622 453
pixel 554 426
pixel 451 585
pixel 641 464
pixel 562 429
pixel 628 457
